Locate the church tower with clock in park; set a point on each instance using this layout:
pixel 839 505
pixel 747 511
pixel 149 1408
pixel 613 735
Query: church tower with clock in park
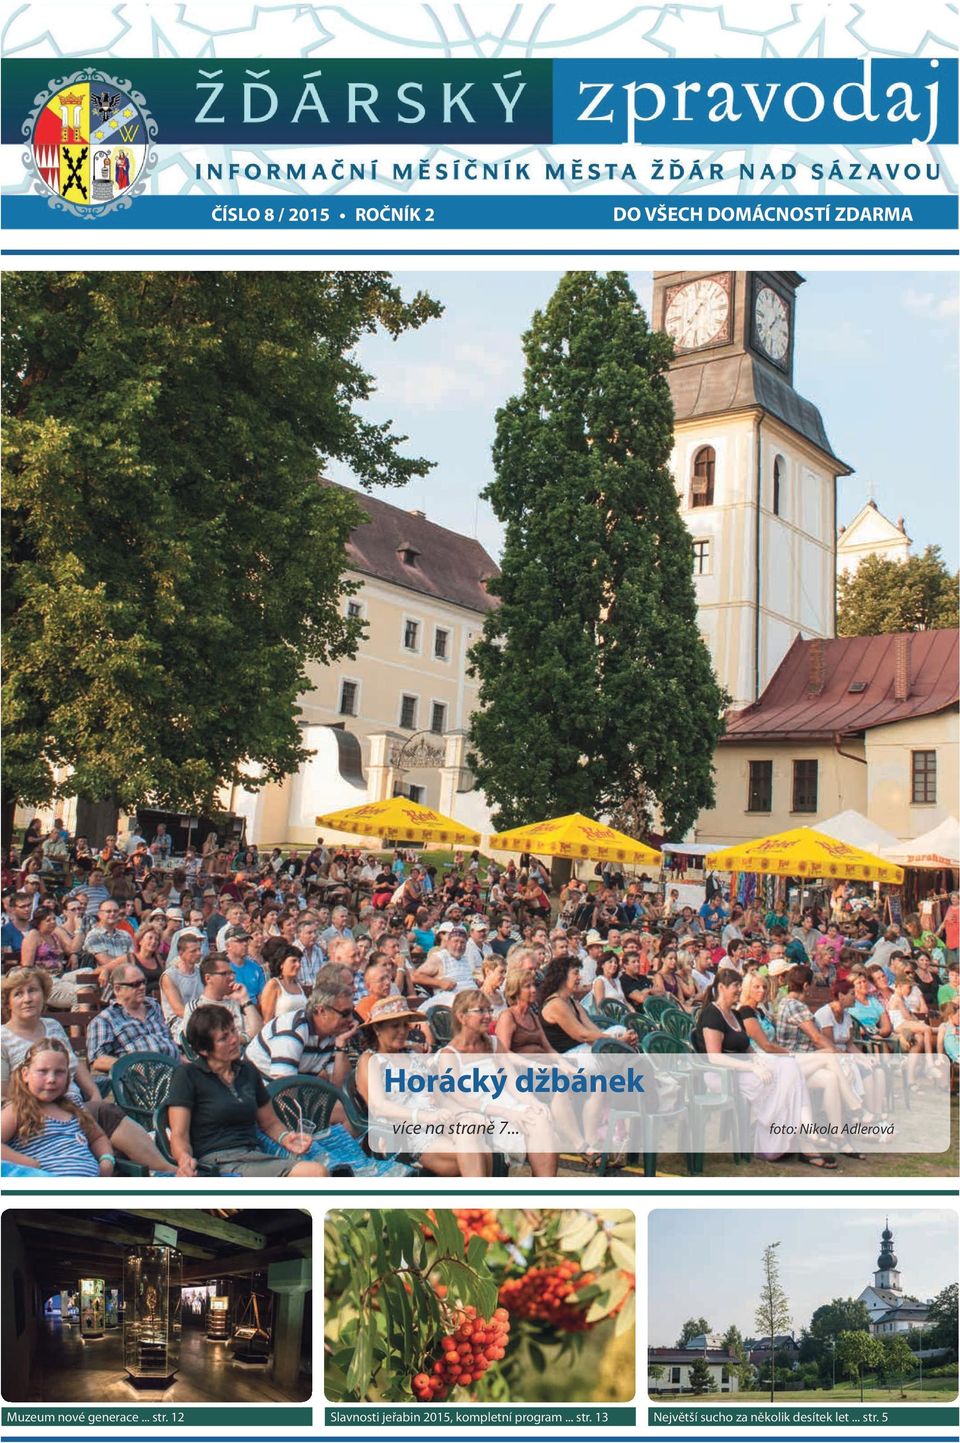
pixel 754 469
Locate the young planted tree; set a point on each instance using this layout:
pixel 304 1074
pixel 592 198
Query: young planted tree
pixel 898 1358
pixel 773 1310
pixel 857 1352
pixel 172 563
pixel 595 687
pixel 734 1345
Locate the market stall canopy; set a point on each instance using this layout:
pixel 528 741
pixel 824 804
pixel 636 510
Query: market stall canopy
pixel 937 848
pixel 803 852
pixel 576 836
pixel 402 819
pixel 858 831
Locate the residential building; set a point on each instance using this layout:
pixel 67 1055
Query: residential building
pixel 678 1362
pixel 865 723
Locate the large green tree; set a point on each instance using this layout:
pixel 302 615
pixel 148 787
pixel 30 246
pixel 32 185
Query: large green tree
pixel 941 1326
pixel 692 1328
pixel 172 563
pixel 595 686
pixel 919 594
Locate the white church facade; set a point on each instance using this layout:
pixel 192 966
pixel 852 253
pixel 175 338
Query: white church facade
pixel 891 1309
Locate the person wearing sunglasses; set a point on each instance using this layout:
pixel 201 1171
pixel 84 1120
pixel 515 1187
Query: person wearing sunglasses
pixel 132 1022
pixel 310 1040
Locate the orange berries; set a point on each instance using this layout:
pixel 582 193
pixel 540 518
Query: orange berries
pixel 549 1295
pixel 465 1354
pixel 473 1223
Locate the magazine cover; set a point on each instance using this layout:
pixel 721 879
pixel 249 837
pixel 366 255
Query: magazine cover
pixel 481 719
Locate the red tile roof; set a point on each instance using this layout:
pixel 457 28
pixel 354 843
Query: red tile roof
pixel 809 695
pixel 445 564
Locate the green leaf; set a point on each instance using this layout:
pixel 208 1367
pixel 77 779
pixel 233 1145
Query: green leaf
pixel 537 1358
pixel 476 1252
pixel 448 1234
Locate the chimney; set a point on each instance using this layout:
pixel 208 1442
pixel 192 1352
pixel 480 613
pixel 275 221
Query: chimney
pixel 901 666
pixel 816 666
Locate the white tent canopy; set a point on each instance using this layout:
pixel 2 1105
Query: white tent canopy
pixel 858 831
pixel 937 848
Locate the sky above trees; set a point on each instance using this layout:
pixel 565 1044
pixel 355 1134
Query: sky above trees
pixel 876 351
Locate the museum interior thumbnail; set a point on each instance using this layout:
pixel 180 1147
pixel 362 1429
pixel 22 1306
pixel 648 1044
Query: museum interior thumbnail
pixel 184 1305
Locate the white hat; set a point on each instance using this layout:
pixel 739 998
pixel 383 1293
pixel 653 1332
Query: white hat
pixel 444 927
pixel 593 939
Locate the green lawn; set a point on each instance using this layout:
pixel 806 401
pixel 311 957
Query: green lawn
pixel 935 1390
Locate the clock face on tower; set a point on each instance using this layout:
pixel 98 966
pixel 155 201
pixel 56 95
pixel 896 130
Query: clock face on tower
pixel 698 313
pixel 771 324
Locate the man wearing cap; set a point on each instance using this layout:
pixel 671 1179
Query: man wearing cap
pixel 310 1040
pixel 246 970
pixel 477 947
pixel 221 989
pixel 447 971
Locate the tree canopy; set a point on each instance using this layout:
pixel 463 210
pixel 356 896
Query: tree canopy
pixel 839 1315
pixel 773 1314
pixel 172 561
pixel 692 1328
pixel 941 1325
pixel 595 685
pixel 881 596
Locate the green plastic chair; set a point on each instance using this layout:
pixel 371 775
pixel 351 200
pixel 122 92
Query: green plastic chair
pixel 614 1011
pixel 655 1007
pixel 677 1023
pixel 141 1080
pixel 440 1019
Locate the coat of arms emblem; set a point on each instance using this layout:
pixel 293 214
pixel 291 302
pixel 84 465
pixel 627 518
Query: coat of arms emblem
pixel 90 143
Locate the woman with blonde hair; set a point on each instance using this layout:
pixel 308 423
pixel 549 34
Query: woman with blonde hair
pixel 42 1127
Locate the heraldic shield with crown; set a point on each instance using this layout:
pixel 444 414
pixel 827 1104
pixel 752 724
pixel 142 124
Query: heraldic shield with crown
pixel 90 143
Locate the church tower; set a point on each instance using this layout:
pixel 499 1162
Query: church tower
pixel 755 471
pixel 887 1274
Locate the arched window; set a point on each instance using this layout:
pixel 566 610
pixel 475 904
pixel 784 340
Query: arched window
pixel 701 486
pixel 778 472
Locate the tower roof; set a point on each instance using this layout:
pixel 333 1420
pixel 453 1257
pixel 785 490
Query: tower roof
pixel 887 1258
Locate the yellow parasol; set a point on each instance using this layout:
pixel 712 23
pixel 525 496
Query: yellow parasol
pixel 576 836
pixel 803 852
pixel 403 819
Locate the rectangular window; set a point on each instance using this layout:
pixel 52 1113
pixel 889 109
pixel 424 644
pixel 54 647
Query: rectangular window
pixel 805 786
pixel 674 1375
pixel 411 635
pixel 408 712
pixel 760 789
pixel 924 777
pixel 354 610
pixel 438 718
pixel 441 642
pixel 415 793
pixel 701 558
pixel 348 698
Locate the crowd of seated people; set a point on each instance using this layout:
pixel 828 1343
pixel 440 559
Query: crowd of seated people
pixel 245 971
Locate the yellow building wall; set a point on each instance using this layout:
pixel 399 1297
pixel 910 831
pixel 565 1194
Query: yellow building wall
pixel 841 784
pixel 889 768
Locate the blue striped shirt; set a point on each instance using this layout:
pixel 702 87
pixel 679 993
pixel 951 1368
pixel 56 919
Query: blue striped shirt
pixel 61 1148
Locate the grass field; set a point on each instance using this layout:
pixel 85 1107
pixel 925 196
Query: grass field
pixel 936 1390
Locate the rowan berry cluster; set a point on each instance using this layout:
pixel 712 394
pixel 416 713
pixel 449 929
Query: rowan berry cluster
pixel 479 1223
pixel 465 1354
pixel 549 1295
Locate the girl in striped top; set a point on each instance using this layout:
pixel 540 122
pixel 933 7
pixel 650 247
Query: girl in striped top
pixel 41 1127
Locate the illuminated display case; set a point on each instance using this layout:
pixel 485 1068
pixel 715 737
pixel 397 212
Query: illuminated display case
pixel 218 1319
pixel 151 1319
pixel 91 1307
pixel 112 1308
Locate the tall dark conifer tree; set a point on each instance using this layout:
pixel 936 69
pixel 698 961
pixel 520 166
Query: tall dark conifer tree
pixel 595 685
